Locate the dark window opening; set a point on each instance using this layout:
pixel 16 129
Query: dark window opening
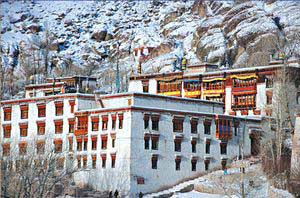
pixel 223 147
pixel 194 143
pixel 194 165
pixel 207 147
pixel 177 143
pixel 194 125
pixel 146 142
pixel 154 162
pixel 207 126
pixel 177 164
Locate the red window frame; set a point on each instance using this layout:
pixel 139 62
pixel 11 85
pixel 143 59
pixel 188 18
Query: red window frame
pixel 6 130
pixel 23 129
pixel 24 111
pixel 58 145
pixel 40 146
pixel 104 122
pixel 6 149
pixel 72 105
pixel 58 126
pixel 103 158
pixel 113 160
pixel 95 123
pixel 41 127
pixel 71 125
pixel 103 142
pixel 59 108
pixel 41 110
pixel 23 148
pixel 94 161
pixel 94 142
pixel 7 113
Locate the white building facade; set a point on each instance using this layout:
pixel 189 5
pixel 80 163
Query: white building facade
pixel 130 142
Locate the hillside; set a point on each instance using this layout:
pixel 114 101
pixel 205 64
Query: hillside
pixel 82 37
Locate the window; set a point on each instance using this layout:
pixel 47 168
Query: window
pixel 194 125
pixel 72 104
pixel 207 147
pixel 79 144
pixel 60 163
pixel 206 164
pixel 207 125
pixel 103 157
pixel 85 142
pixel 223 163
pixel 95 123
pixel 269 98
pixel 7 131
pixel 113 160
pixel 58 145
pixel 59 108
pixel 84 161
pixel 79 161
pixel 7 113
pixel 70 143
pixel 146 121
pixel 24 111
pixel 71 125
pixel 94 142
pixel 193 143
pixel 154 162
pixel 40 147
pixel 113 140
pixel 82 124
pixel 40 127
pixel 23 129
pixel 146 142
pixel 145 84
pixel 194 164
pixel 177 143
pixel 5 149
pixel 113 121
pixel 223 148
pixel 22 148
pixel 269 81
pixel 155 122
pixel 177 163
pixel 58 126
pixel 104 122
pixel 178 124
pixel 103 142
pixel 41 110
pixel 236 127
pixel 154 142
pixel 94 161
pixel 120 121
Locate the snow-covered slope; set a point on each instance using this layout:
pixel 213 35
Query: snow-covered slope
pixel 85 35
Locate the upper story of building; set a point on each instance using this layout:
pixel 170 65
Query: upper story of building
pixel 61 85
pixel 244 91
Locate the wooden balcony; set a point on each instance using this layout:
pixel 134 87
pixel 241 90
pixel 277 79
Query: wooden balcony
pixel 244 89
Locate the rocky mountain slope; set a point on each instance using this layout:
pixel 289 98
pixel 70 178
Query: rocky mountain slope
pixel 93 37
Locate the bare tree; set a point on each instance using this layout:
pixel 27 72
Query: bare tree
pixel 36 173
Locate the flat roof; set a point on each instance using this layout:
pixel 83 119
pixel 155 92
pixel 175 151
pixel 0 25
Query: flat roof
pixel 87 112
pixel 148 95
pixel 294 64
pixel 34 99
pixel 76 76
